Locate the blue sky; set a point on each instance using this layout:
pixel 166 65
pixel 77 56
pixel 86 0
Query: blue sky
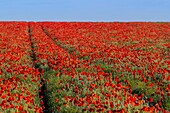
pixel 85 10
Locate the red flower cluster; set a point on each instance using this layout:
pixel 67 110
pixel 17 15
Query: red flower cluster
pixel 19 81
pixel 93 67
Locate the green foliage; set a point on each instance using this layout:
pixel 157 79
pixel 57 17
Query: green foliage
pixel 85 57
pixel 166 103
pixel 107 68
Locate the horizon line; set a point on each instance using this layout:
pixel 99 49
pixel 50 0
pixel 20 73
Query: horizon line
pixel 77 21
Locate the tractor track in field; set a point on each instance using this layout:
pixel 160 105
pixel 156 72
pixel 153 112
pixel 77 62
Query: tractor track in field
pixel 46 32
pixel 42 89
pixel 56 42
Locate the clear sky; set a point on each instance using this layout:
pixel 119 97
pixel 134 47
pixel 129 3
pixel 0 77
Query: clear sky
pixel 85 10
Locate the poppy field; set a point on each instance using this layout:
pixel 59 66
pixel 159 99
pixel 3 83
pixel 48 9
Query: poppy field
pixel 84 67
